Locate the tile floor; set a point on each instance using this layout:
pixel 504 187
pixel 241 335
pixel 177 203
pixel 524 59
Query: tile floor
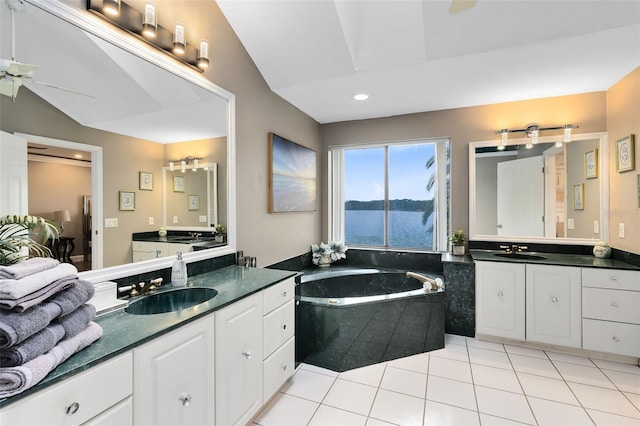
pixel 469 382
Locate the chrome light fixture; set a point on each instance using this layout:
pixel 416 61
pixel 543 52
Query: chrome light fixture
pixel 111 7
pixel 533 131
pixel 179 44
pixel 203 55
pixel 192 162
pixel 149 22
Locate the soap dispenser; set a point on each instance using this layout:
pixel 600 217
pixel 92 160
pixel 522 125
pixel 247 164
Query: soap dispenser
pixel 179 272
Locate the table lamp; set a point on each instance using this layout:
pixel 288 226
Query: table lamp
pixel 61 216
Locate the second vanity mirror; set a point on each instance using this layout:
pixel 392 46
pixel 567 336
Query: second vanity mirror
pixel 190 197
pixel 550 192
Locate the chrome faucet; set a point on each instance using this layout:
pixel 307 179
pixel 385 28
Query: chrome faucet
pixel 195 235
pixel 141 288
pixel 514 248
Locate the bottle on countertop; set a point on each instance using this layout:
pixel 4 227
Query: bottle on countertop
pixel 179 272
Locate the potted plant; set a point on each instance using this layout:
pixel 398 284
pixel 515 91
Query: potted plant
pixel 325 254
pixel 220 232
pixel 17 242
pixel 457 242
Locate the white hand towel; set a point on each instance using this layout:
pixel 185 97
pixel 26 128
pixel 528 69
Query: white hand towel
pixel 15 289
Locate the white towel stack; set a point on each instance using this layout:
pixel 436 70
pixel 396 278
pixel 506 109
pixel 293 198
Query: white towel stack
pixel 44 319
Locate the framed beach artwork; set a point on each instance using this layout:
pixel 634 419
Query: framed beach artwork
pixel 578 197
pixel 292 176
pixel 625 154
pixel 591 164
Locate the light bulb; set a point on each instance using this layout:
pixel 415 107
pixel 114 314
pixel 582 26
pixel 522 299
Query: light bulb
pixel 149 22
pixel 171 166
pixel 567 133
pixel 195 164
pixel 183 166
pixel 534 135
pixel 203 55
pixel 178 40
pixel 111 7
pixel 505 136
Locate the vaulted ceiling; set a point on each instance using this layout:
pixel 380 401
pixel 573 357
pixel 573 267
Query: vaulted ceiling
pixel 413 56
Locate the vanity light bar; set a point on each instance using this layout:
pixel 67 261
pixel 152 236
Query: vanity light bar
pixel 192 162
pixel 144 26
pixel 533 131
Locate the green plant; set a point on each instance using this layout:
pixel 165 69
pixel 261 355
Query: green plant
pixel 220 229
pixel 16 242
pixel 457 239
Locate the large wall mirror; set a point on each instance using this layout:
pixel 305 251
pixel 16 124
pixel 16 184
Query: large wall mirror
pixel 548 192
pixel 131 109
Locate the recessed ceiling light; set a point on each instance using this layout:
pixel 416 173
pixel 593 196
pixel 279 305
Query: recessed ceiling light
pixel 361 97
pixel 78 155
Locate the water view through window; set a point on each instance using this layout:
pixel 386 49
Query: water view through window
pixel 407 196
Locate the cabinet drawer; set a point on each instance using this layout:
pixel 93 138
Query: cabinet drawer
pixel 278 368
pixel 611 278
pixel 278 327
pixel 120 414
pixel 278 294
pixel 613 337
pixel 93 391
pixel 611 305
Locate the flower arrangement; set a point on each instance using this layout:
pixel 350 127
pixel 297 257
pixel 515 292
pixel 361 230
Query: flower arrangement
pixel 457 241
pixel 16 242
pixel 219 229
pixel 325 254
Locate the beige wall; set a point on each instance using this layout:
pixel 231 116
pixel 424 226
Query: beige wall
pixel 464 125
pixel 623 119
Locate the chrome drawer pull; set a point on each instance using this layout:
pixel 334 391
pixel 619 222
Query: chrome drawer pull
pixel 614 304
pixel 284 367
pixel 554 299
pixel 284 294
pixel 185 400
pixel 73 408
pixel 500 294
pixel 284 326
pixel 246 354
pixel 615 339
pixel 613 278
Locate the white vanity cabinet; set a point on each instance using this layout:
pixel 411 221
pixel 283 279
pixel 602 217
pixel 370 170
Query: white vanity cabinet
pixel 96 396
pixel 278 336
pixel 553 305
pixel 611 311
pixel 500 299
pixel 173 377
pixel 239 361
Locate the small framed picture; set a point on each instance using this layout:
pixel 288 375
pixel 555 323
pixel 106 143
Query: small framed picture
pixel 625 154
pixel 146 181
pixel 194 202
pixel 127 200
pixel 578 197
pixel 591 164
pixel 178 184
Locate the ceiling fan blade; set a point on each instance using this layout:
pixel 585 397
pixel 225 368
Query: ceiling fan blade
pixel 458 6
pixel 9 86
pixel 17 69
pixel 64 89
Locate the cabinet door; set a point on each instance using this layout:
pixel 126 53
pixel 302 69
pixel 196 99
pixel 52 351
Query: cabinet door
pixel 500 299
pixel 145 250
pixel 554 305
pixel 239 361
pixel 173 380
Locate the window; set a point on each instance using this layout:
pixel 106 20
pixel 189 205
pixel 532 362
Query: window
pixel 392 195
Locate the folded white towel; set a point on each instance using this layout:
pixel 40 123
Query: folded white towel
pixel 15 289
pixel 14 380
pixel 27 267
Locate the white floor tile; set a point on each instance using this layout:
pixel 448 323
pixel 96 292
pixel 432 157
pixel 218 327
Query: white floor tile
pixel 335 417
pixel 489 358
pixel 572 359
pixel 308 385
pixel 546 388
pixel 634 398
pixel 520 350
pixel 418 363
pixel 351 396
pixel 504 404
pixel 488 420
pixel 624 381
pixel 607 400
pixel 496 378
pixel 538 366
pixel 436 414
pixel 320 370
pixel 451 392
pixel 376 422
pixel 450 369
pixel 455 340
pixel 555 413
pixel 286 410
pixel 617 366
pixel 397 408
pixel 471 342
pixel 369 375
pixel 583 374
pixel 404 381
pixel 608 419
pixel 457 352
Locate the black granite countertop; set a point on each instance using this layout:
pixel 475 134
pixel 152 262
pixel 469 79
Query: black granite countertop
pixel 123 331
pixel 207 241
pixel 560 259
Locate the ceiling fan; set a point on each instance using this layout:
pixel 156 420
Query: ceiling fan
pixel 13 73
